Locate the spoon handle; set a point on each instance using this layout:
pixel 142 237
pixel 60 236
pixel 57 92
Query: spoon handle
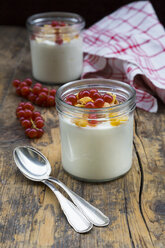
pixel 75 217
pixel 94 215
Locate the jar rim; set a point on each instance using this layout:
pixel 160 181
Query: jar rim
pixel 37 20
pixel 122 107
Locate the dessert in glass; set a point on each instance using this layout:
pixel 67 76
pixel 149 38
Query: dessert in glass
pixel 56 46
pixel 96 127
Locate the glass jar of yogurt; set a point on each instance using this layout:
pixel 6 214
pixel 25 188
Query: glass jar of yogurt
pixel 96 135
pixel 56 46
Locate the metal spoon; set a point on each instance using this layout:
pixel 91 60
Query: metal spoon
pixel 34 167
pixel 38 168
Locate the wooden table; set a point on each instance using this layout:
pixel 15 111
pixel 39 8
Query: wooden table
pixel 30 215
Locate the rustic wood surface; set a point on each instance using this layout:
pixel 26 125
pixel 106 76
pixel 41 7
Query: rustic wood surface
pixel 30 216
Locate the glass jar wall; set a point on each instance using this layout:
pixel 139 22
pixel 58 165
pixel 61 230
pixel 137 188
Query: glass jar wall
pixel 96 142
pixel 56 46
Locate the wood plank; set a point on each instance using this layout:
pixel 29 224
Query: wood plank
pixel 150 145
pixel 12 45
pixel 30 215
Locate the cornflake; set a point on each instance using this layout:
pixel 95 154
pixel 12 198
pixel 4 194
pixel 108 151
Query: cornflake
pixel 85 99
pixel 80 122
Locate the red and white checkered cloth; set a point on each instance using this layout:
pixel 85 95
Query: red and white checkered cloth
pixel 130 42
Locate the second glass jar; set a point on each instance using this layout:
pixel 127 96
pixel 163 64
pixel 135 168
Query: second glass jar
pixel 56 46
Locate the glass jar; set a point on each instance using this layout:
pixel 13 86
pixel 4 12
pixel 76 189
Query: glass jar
pixel 96 143
pixel 56 46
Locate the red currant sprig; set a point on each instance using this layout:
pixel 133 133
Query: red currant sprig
pixel 30 120
pixel 37 94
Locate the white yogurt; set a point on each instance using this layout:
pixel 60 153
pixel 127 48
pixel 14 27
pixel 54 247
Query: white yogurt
pixel 97 153
pixel 53 63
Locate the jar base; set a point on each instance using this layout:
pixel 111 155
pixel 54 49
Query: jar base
pixel 52 83
pixel 96 180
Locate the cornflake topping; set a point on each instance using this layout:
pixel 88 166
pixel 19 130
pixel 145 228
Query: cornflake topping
pixel 92 98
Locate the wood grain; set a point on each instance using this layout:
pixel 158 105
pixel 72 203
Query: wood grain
pixel 30 215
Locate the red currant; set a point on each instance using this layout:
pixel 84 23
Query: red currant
pixel 28 105
pixel 99 102
pixel 21 113
pixel 62 24
pixel 27 131
pixel 32 133
pixel 22 84
pixel 18 109
pixel 21 104
pixel 72 98
pixel 80 94
pixel 108 98
pixel 51 101
pixel 18 91
pixel 43 96
pixel 28 113
pixel 55 23
pixel 53 92
pixel 35 114
pixel 38 85
pixel 40 132
pixel 38 118
pixel 36 90
pixel 39 123
pixel 89 105
pixel 85 93
pixel 25 90
pixel 92 119
pixel 92 91
pixel 96 95
pixel 45 90
pixel 28 81
pixel 16 83
pixel 32 97
pixel 21 119
pixel 26 123
pixel 38 101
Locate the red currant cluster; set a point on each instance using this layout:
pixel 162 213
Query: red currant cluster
pixel 97 99
pixel 37 94
pixel 30 120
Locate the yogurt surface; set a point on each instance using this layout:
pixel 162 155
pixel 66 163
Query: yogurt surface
pixel 99 153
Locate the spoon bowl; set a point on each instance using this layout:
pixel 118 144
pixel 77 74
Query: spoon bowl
pixel 33 164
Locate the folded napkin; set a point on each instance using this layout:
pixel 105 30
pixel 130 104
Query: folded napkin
pixel 129 45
